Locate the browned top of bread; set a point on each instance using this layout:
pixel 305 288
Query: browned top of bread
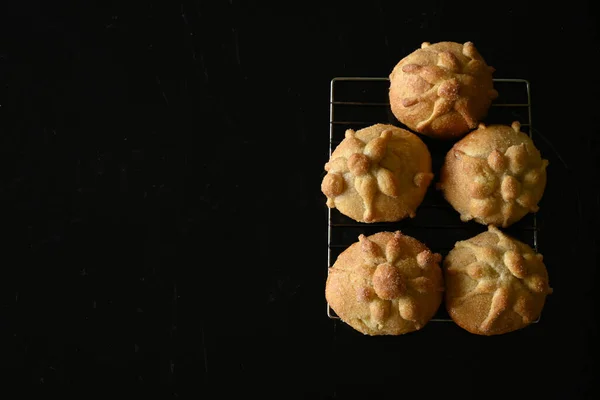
pixel 494 175
pixel 442 89
pixel 494 283
pixel 385 284
pixel 378 173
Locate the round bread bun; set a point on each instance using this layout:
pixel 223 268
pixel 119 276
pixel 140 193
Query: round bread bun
pixel 378 174
pixel 442 90
pixel 385 284
pixel 494 175
pixel 495 284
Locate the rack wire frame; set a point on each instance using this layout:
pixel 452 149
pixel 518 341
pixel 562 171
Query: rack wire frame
pixel 332 122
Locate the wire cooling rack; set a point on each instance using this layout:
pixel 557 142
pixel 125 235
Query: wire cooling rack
pixel 356 103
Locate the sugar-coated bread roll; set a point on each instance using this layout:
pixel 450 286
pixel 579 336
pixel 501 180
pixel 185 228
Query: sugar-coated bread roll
pixel 442 90
pixel 495 284
pixel 385 284
pixel 378 174
pixel 494 175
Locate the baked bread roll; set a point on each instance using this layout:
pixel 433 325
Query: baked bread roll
pixel 494 175
pixel 442 90
pixel 378 174
pixel 385 284
pixel 495 284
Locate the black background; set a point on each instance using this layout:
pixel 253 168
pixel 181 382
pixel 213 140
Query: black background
pixel 162 217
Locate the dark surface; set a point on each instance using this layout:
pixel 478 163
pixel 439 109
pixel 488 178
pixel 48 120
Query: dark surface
pixel 163 220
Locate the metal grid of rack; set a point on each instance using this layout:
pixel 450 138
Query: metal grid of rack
pixel 357 102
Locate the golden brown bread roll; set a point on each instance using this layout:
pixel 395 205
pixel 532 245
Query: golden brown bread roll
pixel 385 284
pixel 378 174
pixel 442 90
pixel 494 175
pixel 495 284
